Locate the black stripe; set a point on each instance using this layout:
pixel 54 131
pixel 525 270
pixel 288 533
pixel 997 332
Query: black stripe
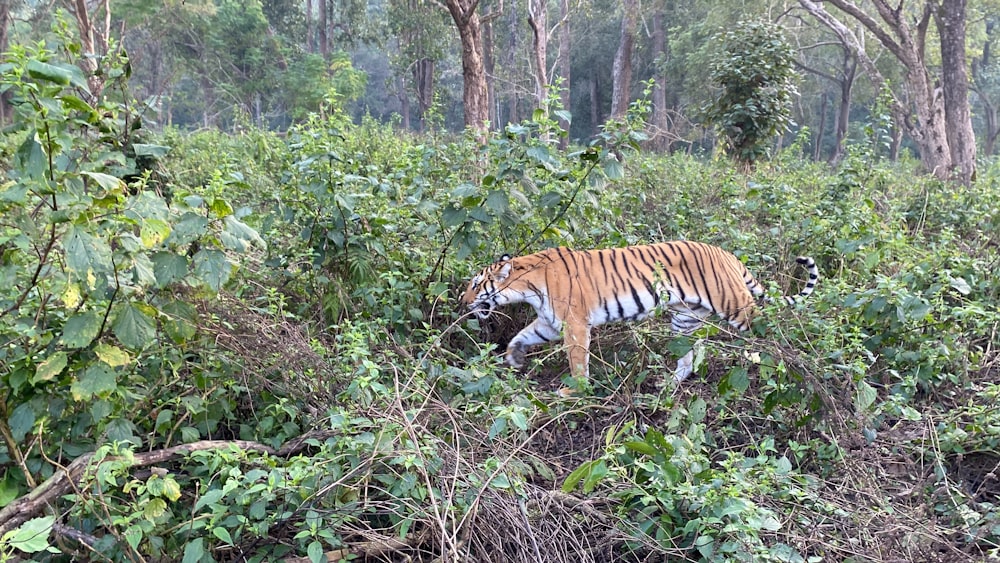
pixel 542 336
pixel 638 302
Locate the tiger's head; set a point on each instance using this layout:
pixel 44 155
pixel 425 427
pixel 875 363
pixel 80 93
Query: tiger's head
pixel 481 296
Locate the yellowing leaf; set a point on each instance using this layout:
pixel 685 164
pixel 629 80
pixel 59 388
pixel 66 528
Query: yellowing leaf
pixel 112 355
pixel 50 367
pixel 71 296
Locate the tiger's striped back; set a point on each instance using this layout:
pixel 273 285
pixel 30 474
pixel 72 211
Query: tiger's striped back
pixel 573 291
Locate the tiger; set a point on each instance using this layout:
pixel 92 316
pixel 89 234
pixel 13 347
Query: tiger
pixel 573 291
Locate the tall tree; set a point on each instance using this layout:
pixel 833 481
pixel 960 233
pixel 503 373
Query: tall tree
pixel 985 81
pixel 94 25
pixel 950 19
pixel 658 124
pixel 538 16
pixel 904 35
pixel 563 66
pixel 5 7
pixel 622 71
pixel 474 95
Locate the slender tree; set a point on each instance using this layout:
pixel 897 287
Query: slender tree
pixel 622 70
pixel 474 90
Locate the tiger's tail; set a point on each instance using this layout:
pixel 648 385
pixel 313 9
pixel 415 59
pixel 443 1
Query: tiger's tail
pixel 810 266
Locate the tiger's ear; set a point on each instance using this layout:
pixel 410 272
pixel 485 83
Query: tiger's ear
pixel 504 258
pixel 503 272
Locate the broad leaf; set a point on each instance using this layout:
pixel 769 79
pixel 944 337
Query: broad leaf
pixel 135 325
pixel 85 253
pixel 32 536
pixel 98 378
pixel 169 267
pixel 81 329
pixel 49 368
pixel 21 421
pixel 212 267
pixel 112 355
pixel 155 151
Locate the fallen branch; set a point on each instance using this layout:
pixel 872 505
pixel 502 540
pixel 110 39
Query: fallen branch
pixel 63 480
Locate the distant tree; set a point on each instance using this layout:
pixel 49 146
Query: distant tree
pixel 563 66
pixel 903 32
pixel 842 71
pixel 986 84
pixel 754 74
pixel 621 76
pixel 94 25
pixel 474 94
pixel 422 32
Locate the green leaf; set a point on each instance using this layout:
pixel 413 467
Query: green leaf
pixel 453 216
pixel 315 552
pixel 21 421
pixel 597 472
pixel 81 329
pixel 223 535
pixel 614 169
pixel 738 379
pixel 169 267
pixel 47 72
pixel 155 151
pixel 50 367
pixel 194 551
pixel 180 320
pixel 153 231
pixel 106 181
pixel 154 509
pixel 8 489
pixel 577 475
pixel 98 378
pixel 189 228
pixel 32 536
pixel 31 157
pixel 866 396
pixel 135 325
pixel 212 268
pixel 641 447
pixel 85 253
pixel 209 498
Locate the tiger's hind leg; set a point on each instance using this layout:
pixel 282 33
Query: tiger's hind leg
pixel 686 322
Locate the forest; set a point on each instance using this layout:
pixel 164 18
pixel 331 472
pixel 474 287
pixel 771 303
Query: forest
pixel 234 236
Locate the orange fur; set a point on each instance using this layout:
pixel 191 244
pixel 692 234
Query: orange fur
pixel 574 290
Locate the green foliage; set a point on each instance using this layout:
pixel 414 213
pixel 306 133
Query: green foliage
pixel 755 75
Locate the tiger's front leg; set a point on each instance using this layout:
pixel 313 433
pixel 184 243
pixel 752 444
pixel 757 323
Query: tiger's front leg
pixel 538 332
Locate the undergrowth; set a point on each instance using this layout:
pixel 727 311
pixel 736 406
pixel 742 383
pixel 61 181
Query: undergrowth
pixel 251 349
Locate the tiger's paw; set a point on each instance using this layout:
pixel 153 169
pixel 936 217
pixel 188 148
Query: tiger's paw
pixel 515 357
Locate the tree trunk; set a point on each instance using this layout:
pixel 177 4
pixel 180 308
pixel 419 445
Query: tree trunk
pixel 489 66
pixel 4 30
pixel 423 81
pixel 925 124
pixel 310 28
pixel 404 102
pixel 595 113
pixel 324 29
pixel 565 48
pixel 822 126
pixel 658 135
pixel 955 87
pixel 93 41
pixel 511 59
pixel 982 88
pixel 621 73
pixel 476 110
pixel 538 15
